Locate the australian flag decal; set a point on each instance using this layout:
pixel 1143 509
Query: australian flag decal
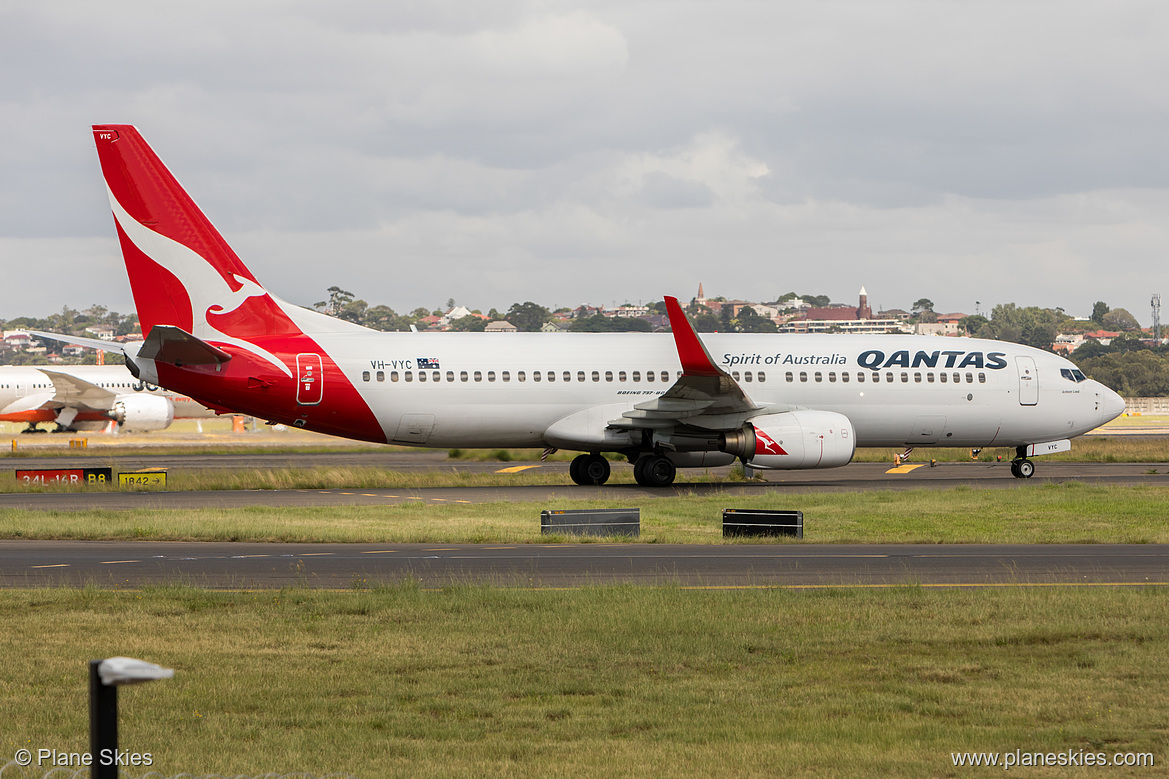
pixel 427 363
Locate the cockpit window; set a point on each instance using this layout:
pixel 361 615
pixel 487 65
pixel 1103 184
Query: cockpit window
pixel 1073 374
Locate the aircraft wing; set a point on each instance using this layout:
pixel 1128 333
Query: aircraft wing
pixel 72 392
pixel 705 395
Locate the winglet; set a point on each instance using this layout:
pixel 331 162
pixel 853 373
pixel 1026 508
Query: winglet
pixel 696 361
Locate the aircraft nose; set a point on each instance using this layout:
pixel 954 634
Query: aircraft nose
pixel 1112 405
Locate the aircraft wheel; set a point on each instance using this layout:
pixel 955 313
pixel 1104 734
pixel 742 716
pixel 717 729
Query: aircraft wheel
pixel 1015 469
pixel 589 469
pixel 576 469
pixel 1026 469
pixel 654 471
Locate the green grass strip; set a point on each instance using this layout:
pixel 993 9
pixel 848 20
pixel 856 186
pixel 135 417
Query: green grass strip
pixel 618 681
pixel 1031 513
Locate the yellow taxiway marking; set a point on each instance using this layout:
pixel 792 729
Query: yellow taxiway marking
pixel 58 565
pixel 905 468
pixel 462 501
pixel 381 551
pixel 369 495
pixel 116 562
pixel 306 554
pixel 499 547
pixel 451 549
pixel 517 468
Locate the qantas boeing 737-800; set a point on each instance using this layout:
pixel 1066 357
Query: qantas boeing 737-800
pixel 772 401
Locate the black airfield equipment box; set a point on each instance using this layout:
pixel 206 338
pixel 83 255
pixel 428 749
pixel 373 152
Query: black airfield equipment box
pixel 588 522
pixel 762 522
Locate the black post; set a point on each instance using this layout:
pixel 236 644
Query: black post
pixel 103 725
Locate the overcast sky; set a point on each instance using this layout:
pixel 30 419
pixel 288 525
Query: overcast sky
pixel 566 152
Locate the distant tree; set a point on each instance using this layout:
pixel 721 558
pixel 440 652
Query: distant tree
pixel 658 308
pixel 468 324
pixel 528 317
pixel 972 324
pixel 706 323
pixel 338 299
pixel 450 303
pixel 816 301
pixel 1099 309
pixel 751 322
pixel 419 313
pixel 923 304
pixel 384 318
pixel 1119 319
pixel 605 324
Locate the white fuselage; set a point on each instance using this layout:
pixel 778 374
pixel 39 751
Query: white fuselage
pixel 488 390
pixel 25 389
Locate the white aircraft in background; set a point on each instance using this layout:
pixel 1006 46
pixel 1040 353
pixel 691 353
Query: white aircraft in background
pixel 773 401
pixel 89 397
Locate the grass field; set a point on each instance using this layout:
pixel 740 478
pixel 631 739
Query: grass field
pixel 1064 513
pixel 597 682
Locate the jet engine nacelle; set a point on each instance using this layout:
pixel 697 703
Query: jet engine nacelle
pixel 143 412
pixel 794 440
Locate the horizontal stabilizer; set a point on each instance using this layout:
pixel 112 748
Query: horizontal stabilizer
pixel 176 346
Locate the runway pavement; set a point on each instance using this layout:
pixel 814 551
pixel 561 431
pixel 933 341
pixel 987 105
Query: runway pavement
pixel 344 566
pixel 856 477
pixel 239 565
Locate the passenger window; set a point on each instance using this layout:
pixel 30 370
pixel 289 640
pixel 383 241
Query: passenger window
pixel 621 376
pixel 596 376
pixel 422 375
pixel 649 375
pixel 608 375
pixel 803 375
pixel 876 378
pixel 746 375
pixel 844 376
pixel 551 375
pixel 860 377
pixel 505 375
pixel 957 378
pixel 762 376
pixel 409 376
pixel 393 375
pixel 491 375
pixel 665 375
pixel 735 375
pixel 982 378
pixel 436 376
pixel 889 376
pixel 536 375
pixel 637 375
pixel 520 376
pixel 580 376
pixel 917 378
pixel 819 377
pixel 789 376
pixel 832 376
pixel 381 375
pixel 462 375
pixel 568 375
pixel 929 378
pixel 478 375
pixel 365 375
pixel 942 376
pixel 450 376
pixel 969 378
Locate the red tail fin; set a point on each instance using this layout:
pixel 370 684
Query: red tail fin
pixel 181 270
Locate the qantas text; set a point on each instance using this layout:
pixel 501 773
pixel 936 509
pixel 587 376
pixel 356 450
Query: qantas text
pixel 874 359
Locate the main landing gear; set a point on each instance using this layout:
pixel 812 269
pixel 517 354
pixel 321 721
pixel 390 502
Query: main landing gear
pixel 589 469
pixel 1021 467
pixel 654 470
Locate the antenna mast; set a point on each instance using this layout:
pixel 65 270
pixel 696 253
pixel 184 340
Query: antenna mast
pixel 1157 316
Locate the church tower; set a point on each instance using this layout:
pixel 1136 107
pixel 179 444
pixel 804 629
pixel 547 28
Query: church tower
pixel 862 310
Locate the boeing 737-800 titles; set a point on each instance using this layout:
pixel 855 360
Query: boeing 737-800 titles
pixel 664 401
pixel 89 397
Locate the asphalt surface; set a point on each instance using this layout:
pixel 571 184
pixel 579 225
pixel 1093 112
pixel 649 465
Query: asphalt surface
pixel 244 565
pixel 345 566
pixel 857 477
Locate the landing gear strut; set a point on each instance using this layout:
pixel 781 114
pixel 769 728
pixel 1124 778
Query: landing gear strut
pixel 654 470
pixel 589 469
pixel 1021 467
